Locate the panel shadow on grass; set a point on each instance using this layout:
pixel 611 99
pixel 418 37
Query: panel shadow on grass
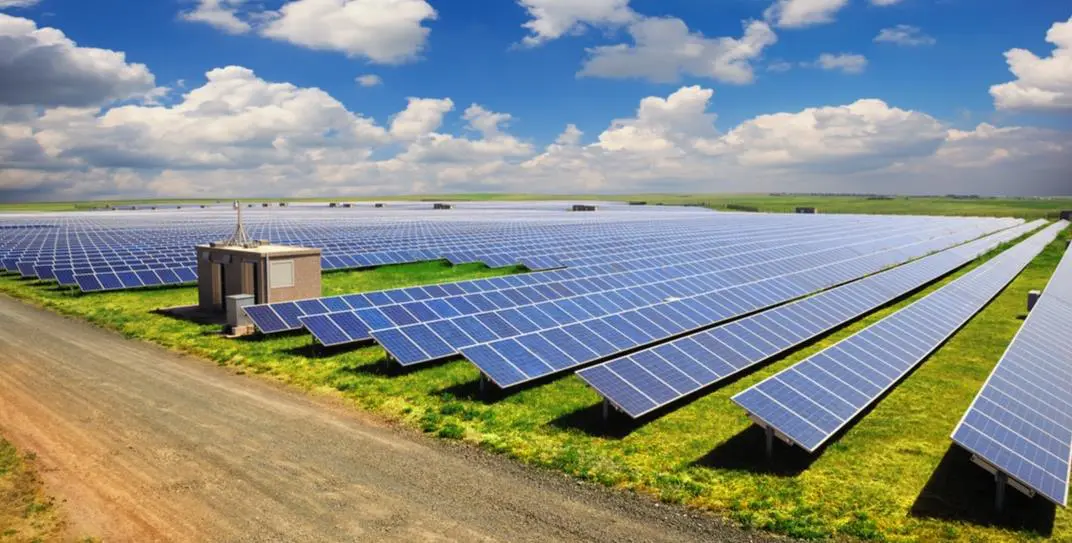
pixel 959 490
pixel 746 451
pixel 590 420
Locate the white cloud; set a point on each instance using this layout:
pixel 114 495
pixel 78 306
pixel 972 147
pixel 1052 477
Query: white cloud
pixel 570 136
pixel 673 123
pixel 552 19
pixel 885 2
pixel 664 50
pixel 864 135
pixel 383 31
pixel 906 35
pixel 239 134
pixel 422 116
pixel 802 13
pixel 369 80
pixel 222 14
pixel 5 4
pixel 1041 83
pixel 844 62
pixel 42 66
pixel 779 66
pixel 386 31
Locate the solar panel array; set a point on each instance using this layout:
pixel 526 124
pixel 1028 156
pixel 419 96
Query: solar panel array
pixel 107 250
pixel 812 400
pixel 1021 420
pixel 647 380
pixel 705 241
pixel 646 312
pixel 507 363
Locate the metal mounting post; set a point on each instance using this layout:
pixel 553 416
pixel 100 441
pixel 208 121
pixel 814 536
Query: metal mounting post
pixel 606 410
pixel 769 438
pixel 1001 480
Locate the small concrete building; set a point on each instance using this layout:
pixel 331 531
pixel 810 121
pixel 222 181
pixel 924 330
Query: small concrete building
pixel 271 273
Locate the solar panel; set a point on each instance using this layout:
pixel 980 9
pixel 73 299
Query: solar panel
pixel 1020 423
pixel 635 302
pixel 809 402
pixel 651 324
pixel 642 382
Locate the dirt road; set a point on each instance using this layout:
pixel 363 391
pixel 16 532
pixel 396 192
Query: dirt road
pixel 141 444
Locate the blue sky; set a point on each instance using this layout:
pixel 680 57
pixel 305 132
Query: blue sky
pixel 473 53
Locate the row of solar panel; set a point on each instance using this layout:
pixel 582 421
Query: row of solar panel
pixel 566 306
pixel 507 363
pixel 647 380
pixel 124 280
pixel 688 295
pixel 46 272
pixel 283 316
pixel 1021 420
pixel 811 401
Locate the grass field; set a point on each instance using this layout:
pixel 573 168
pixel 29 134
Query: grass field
pixel 892 476
pixel 1030 208
pixel 25 513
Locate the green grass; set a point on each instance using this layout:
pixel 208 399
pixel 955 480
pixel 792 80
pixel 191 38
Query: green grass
pixel 703 454
pixel 25 513
pixel 914 205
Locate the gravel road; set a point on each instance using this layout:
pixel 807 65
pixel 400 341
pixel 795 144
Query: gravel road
pixel 141 444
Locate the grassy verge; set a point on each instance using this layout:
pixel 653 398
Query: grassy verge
pixel 915 205
pixel 26 514
pixel 869 484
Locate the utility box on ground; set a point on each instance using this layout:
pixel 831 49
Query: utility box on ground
pixel 270 273
pixel 1066 215
pixel 807 210
pixel 442 206
pixel 583 207
pixel 236 317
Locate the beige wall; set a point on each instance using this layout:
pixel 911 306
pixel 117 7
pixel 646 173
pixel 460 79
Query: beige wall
pixel 306 280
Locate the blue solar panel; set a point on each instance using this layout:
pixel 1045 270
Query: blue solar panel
pixel 734 346
pixel 266 319
pixel 1020 423
pixel 810 401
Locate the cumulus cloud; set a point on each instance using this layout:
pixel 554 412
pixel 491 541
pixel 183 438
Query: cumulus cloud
pixel 905 35
pixel 422 116
pixel 222 14
pixel 42 66
pixel 803 13
pixel 570 136
pixel 386 31
pixel 673 123
pixel 864 135
pixel 664 49
pixel 239 134
pixel 383 31
pixel 368 80
pixel 4 4
pixel 848 63
pixel 1041 83
pixel 551 19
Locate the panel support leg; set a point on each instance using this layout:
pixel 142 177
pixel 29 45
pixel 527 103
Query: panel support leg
pixel 1001 481
pixel 769 441
pixel 606 410
pixel 483 385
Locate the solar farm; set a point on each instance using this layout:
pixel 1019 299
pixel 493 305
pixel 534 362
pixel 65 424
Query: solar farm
pixel 816 375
